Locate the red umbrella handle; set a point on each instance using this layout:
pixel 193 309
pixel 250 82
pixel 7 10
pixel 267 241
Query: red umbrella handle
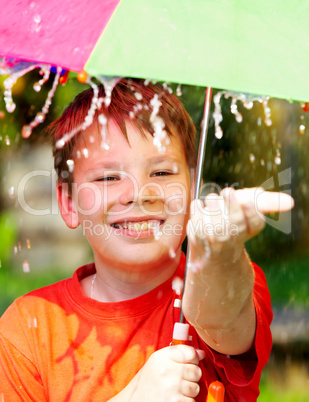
pixel 216 389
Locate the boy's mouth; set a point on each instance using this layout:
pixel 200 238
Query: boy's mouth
pixel 139 226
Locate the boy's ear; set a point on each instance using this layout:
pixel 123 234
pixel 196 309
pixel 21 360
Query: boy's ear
pixel 66 205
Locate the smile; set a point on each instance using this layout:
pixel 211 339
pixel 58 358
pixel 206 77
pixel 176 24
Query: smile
pixel 139 226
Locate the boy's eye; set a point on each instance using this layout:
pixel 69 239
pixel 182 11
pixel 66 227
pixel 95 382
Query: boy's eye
pixel 108 178
pixel 161 173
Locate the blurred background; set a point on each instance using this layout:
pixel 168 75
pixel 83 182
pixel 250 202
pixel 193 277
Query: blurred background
pixel 37 249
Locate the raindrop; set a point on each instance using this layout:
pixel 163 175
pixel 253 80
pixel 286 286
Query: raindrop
pixel 70 164
pixel 37 87
pixel 12 192
pixel 138 96
pixel 10 106
pixel 278 160
pixel 302 129
pixel 262 162
pixel 175 168
pixel 7 140
pixel 40 117
pixel 252 158
pixel 178 90
pixel 85 152
pixel 177 285
pixel 26 131
pixel 259 121
pixel 26 267
pixel 172 253
pixel 219 133
pixel 28 244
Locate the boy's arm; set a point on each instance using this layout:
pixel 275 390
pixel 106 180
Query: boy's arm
pixel 218 298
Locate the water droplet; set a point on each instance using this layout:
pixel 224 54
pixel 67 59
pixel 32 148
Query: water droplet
pixel 10 107
pixel 7 140
pixel 238 118
pixel 131 114
pixel 40 117
pixel 37 87
pixel 262 162
pixel 278 160
pixel 259 121
pixel 70 164
pixel 268 122
pixel 172 253
pixel 104 145
pixel 26 267
pixel 138 96
pixel 12 192
pixel 28 244
pixel 15 249
pixel 26 131
pixel 85 152
pixel 178 90
pixel 252 158
pixel 302 129
pixel 219 133
pixel 177 285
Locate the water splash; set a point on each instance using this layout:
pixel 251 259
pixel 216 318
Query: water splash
pixel 247 100
pixel 160 137
pixel 109 84
pixel 45 71
pixel 15 69
pixel 95 103
pixel 40 116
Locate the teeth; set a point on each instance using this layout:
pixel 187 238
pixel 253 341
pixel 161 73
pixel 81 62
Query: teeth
pixel 144 226
pixel 138 226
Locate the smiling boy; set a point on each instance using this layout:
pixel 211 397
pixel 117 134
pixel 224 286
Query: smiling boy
pixel 105 333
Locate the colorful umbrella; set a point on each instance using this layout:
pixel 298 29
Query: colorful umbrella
pixel 250 46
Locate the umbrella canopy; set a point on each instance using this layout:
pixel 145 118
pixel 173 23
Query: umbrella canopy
pixel 239 45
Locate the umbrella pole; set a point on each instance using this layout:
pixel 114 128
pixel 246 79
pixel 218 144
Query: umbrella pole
pixel 199 171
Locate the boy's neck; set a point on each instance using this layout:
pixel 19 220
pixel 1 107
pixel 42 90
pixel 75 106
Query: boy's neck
pixel 114 285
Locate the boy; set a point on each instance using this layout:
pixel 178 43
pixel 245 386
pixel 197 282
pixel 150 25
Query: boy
pixel 105 333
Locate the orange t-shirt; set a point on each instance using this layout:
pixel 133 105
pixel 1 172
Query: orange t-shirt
pixel 57 344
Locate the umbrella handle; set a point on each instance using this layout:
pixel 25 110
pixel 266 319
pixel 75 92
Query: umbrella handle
pixel 216 389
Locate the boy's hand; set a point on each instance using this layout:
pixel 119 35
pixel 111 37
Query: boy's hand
pixel 170 374
pixel 218 298
pixel 223 223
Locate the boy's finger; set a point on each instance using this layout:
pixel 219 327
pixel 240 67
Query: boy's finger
pixel 189 389
pixel 191 372
pixel 184 354
pixel 265 201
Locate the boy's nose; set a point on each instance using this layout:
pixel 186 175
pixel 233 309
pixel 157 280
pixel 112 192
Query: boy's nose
pixel 148 193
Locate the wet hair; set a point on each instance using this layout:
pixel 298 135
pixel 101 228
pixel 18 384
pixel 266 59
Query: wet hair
pixel 130 102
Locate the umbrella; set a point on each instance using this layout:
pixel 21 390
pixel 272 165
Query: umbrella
pixel 240 45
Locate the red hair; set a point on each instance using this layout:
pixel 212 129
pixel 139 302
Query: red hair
pixel 124 102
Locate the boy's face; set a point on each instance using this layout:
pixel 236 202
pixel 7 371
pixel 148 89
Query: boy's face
pixel 131 200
